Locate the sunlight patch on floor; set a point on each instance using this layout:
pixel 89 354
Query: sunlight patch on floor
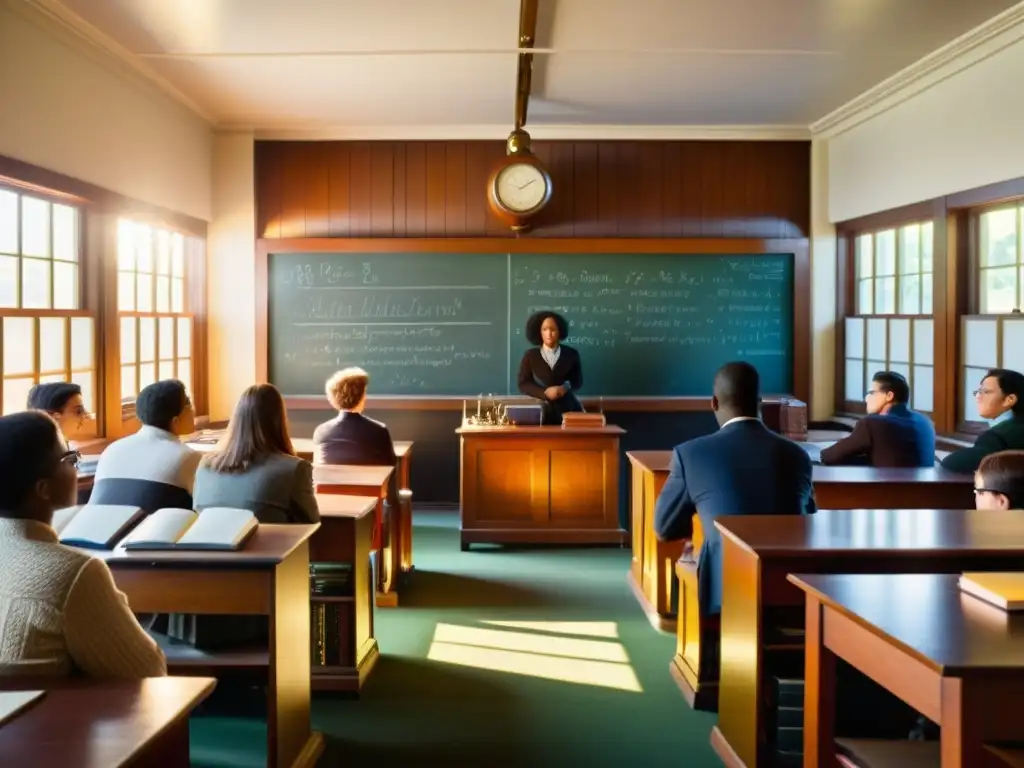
pixel 565 659
pixel 606 629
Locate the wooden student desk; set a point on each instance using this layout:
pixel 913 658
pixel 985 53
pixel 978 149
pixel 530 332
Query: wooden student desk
pixel 346 536
pixel 270 577
pixel 650 569
pixel 758 552
pixel 351 480
pixel 304 449
pixel 539 485
pixel 875 488
pixel 82 723
pixel 955 659
pixel 651 575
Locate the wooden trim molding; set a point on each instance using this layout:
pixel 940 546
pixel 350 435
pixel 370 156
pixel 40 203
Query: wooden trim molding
pixel 801 294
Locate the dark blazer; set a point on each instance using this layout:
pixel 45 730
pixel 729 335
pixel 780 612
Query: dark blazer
pixel 899 438
pixel 1005 436
pixel 535 375
pixel 742 469
pixel 351 438
pixel 278 489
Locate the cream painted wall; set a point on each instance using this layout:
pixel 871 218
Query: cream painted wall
pixel 231 274
pixel 963 130
pixel 823 288
pixel 75 110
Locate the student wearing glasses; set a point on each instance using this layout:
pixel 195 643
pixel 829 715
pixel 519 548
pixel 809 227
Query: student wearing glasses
pixel 999 481
pixel 891 434
pixel 1000 399
pixel 60 610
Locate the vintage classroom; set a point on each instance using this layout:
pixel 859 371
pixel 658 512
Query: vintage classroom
pixel 874 150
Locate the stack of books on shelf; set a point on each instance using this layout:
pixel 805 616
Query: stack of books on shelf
pixel 332 612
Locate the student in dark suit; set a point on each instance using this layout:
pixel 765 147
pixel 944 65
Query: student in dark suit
pixel 351 437
pixel 742 469
pixel 1000 399
pixel 891 435
pixel 551 371
pixel 999 481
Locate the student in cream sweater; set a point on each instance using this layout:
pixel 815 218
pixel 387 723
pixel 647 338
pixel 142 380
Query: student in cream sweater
pixel 60 611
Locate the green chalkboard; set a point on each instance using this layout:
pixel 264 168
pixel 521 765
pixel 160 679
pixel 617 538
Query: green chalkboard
pixel 662 324
pixel 420 324
pixel 433 324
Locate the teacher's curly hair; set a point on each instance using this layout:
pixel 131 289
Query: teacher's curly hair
pixel 537 320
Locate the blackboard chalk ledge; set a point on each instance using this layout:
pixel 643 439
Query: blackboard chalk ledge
pixel 454 403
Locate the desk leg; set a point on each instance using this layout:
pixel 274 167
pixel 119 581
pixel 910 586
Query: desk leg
pixel 168 750
pixel 819 692
pixel 405 539
pixel 289 739
pixel 964 722
pixel 387 555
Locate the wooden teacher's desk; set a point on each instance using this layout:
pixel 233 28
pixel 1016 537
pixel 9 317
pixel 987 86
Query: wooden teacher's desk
pixel 758 552
pixel 954 658
pixel 270 577
pixel 81 723
pixel 346 536
pixel 540 485
pixel 650 570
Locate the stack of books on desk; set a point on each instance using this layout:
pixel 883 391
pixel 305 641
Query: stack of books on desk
pixel 332 611
pixel 793 419
pixel 583 420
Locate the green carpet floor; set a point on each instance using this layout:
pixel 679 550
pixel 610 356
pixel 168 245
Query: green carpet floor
pixel 457 682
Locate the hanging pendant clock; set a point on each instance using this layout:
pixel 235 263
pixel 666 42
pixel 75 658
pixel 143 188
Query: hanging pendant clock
pixel 520 187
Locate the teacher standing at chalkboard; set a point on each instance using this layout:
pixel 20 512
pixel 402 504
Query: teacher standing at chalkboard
pixel 551 371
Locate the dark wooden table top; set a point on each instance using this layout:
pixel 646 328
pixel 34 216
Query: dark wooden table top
pixel 841 474
pixel 269 545
pixel 924 532
pixel 338 505
pixel 928 617
pixel 652 461
pixel 350 474
pixel 93 724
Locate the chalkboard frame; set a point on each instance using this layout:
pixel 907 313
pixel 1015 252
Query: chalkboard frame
pixel 798 247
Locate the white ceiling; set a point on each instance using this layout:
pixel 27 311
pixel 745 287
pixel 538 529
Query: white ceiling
pixel 349 67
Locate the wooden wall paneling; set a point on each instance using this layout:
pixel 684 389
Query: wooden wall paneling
pixel 601 189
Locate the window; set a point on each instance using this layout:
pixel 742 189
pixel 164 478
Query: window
pixel 1000 260
pixel 900 344
pixel 155 327
pixel 44 334
pixel 893 271
pixel 39 253
pixel 987 342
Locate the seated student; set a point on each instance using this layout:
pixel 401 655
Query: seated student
pixel 63 401
pixel 891 435
pixel 254 466
pixel 1000 399
pixel 60 610
pixel 152 468
pixel 999 481
pixel 351 437
pixel 742 469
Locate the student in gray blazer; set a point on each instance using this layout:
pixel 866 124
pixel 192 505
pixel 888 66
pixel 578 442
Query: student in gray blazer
pixel 254 466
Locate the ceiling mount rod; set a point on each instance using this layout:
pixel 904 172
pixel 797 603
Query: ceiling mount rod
pixel 524 73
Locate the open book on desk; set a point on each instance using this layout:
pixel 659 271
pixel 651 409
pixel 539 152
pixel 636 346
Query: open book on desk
pixel 95 526
pixel 214 528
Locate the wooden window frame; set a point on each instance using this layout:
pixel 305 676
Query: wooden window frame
pixel 99 210
pixel 848 285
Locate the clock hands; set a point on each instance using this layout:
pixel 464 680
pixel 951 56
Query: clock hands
pixel 527 184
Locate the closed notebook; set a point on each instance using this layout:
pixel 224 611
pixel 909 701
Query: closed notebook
pixel 213 528
pixel 97 526
pixel 1005 590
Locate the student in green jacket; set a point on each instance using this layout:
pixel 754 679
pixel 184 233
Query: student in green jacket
pixel 1000 399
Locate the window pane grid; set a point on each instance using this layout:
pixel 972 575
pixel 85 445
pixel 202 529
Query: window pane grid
pixel 893 271
pixel 1001 260
pixel 39 349
pixel 39 251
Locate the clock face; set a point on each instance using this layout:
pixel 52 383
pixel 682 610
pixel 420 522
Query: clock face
pixel 521 187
